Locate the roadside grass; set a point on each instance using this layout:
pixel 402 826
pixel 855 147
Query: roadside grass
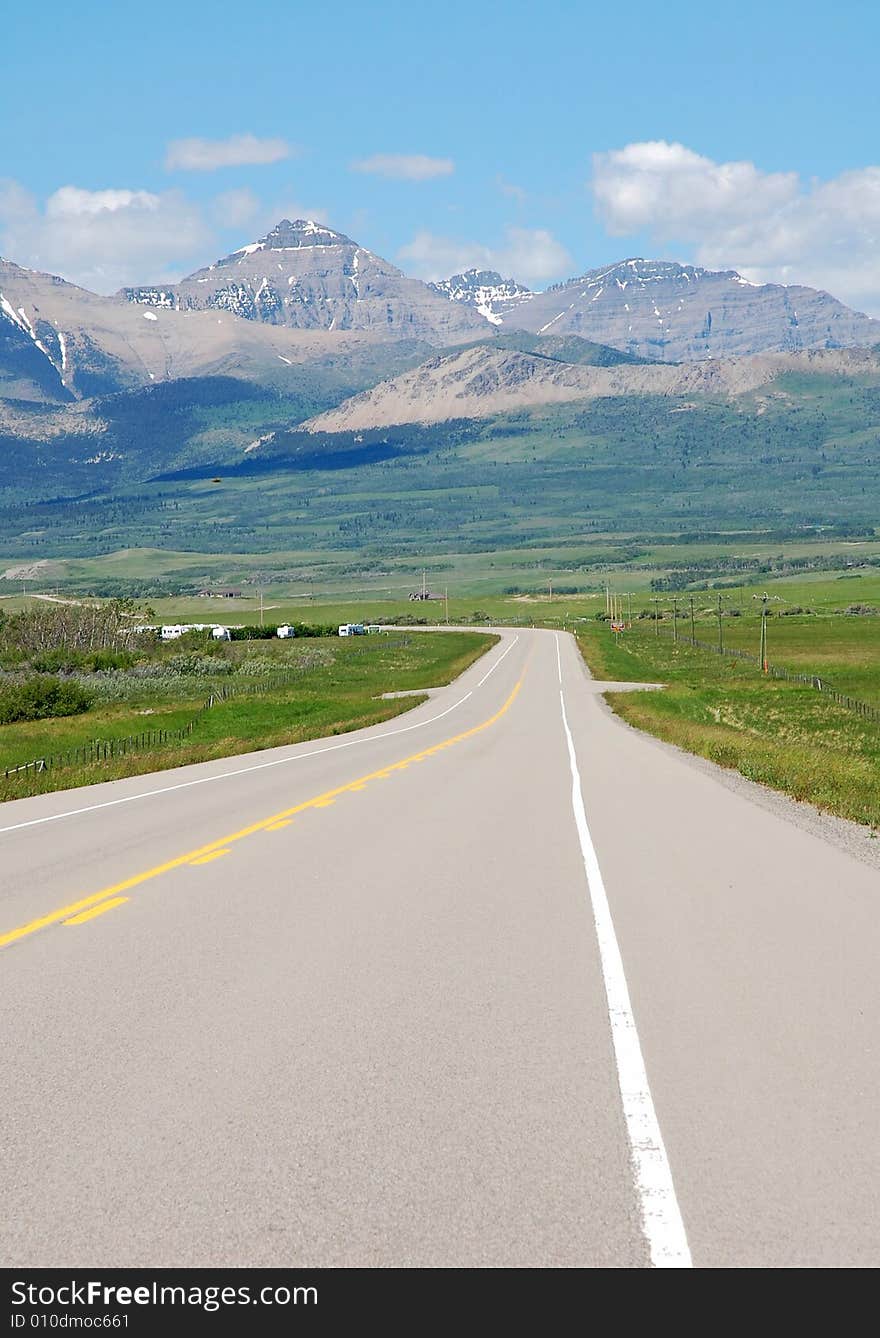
pixel 783 735
pixel 845 650
pixel 326 698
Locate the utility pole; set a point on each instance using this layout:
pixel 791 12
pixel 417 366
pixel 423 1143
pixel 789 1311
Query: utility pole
pixel 261 606
pixel 629 600
pixel 693 632
pixel 720 630
pixel 446 597
pixel 655 601
pixel 674 619
pixel 550 582
pixel 764 664
pixel 424 583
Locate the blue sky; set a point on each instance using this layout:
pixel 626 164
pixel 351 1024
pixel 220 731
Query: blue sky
pixel 543 138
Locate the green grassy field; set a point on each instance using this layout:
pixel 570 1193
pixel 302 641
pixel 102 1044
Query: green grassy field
pixel 625 560
pixel 579 487
pixel 338 687
pixel 784 735
pixel 474 586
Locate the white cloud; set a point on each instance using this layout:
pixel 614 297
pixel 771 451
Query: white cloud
pixel 206 155
pixel 660 186
pixel 534 253
pixel 16 203
pixel 109 239
pixel 72 202
pixel 104 239
pixel 771 226
pixel 243 209
pixel 531 255
pixel 235 208
pixel 511 190
pixel 431 257
pixel 405 166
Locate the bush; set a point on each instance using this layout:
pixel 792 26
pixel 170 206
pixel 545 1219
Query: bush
pixel 258 666
pixel 197 666
pixel 60 661
pixel 41 698
pixel 252 632
pixel 73 627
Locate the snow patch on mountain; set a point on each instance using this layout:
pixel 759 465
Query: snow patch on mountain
pixel 483 289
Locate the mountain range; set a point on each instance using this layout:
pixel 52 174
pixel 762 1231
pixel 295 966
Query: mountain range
pixel 305 328
pixel 304 293
pixel 669 312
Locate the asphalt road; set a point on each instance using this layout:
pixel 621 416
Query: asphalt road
pixel 364 1001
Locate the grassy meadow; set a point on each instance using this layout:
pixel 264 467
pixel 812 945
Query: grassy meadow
pixel 335 685
pixel 784 735
pixel 824 619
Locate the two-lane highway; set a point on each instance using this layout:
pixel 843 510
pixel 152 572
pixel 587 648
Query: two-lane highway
pixel 498 982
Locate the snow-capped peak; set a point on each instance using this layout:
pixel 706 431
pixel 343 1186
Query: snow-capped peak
pixel 302 232
pixel 484 289
pixel 287 236
pixel 636 272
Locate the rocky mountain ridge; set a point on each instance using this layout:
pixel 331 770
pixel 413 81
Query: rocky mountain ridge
pixel 481 381
pixel 309 277
pixel 307 294
pixel 682 313
pixel 59 342
pixel 485 290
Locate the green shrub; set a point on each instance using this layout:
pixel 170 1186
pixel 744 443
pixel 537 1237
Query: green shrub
pixel 198 666
pixel 252 632
pixel 41 698
pixel 60 661
pixel 259 666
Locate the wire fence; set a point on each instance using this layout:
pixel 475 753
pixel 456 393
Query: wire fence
pixel 105 750
pixel 822 685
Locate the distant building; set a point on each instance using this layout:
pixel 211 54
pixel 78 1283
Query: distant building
pixel 220 594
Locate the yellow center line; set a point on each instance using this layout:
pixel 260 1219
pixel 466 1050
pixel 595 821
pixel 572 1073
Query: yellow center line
pixel 220 846
pixel 206 859
pixel 96 910
pixel 276 826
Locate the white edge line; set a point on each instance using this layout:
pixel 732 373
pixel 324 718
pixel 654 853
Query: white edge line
pixel 661 1217
pixel 258 766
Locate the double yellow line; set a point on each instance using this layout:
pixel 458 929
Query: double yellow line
pixel 78 912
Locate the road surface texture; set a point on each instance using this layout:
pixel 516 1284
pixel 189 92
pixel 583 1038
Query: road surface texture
pixel 500 982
